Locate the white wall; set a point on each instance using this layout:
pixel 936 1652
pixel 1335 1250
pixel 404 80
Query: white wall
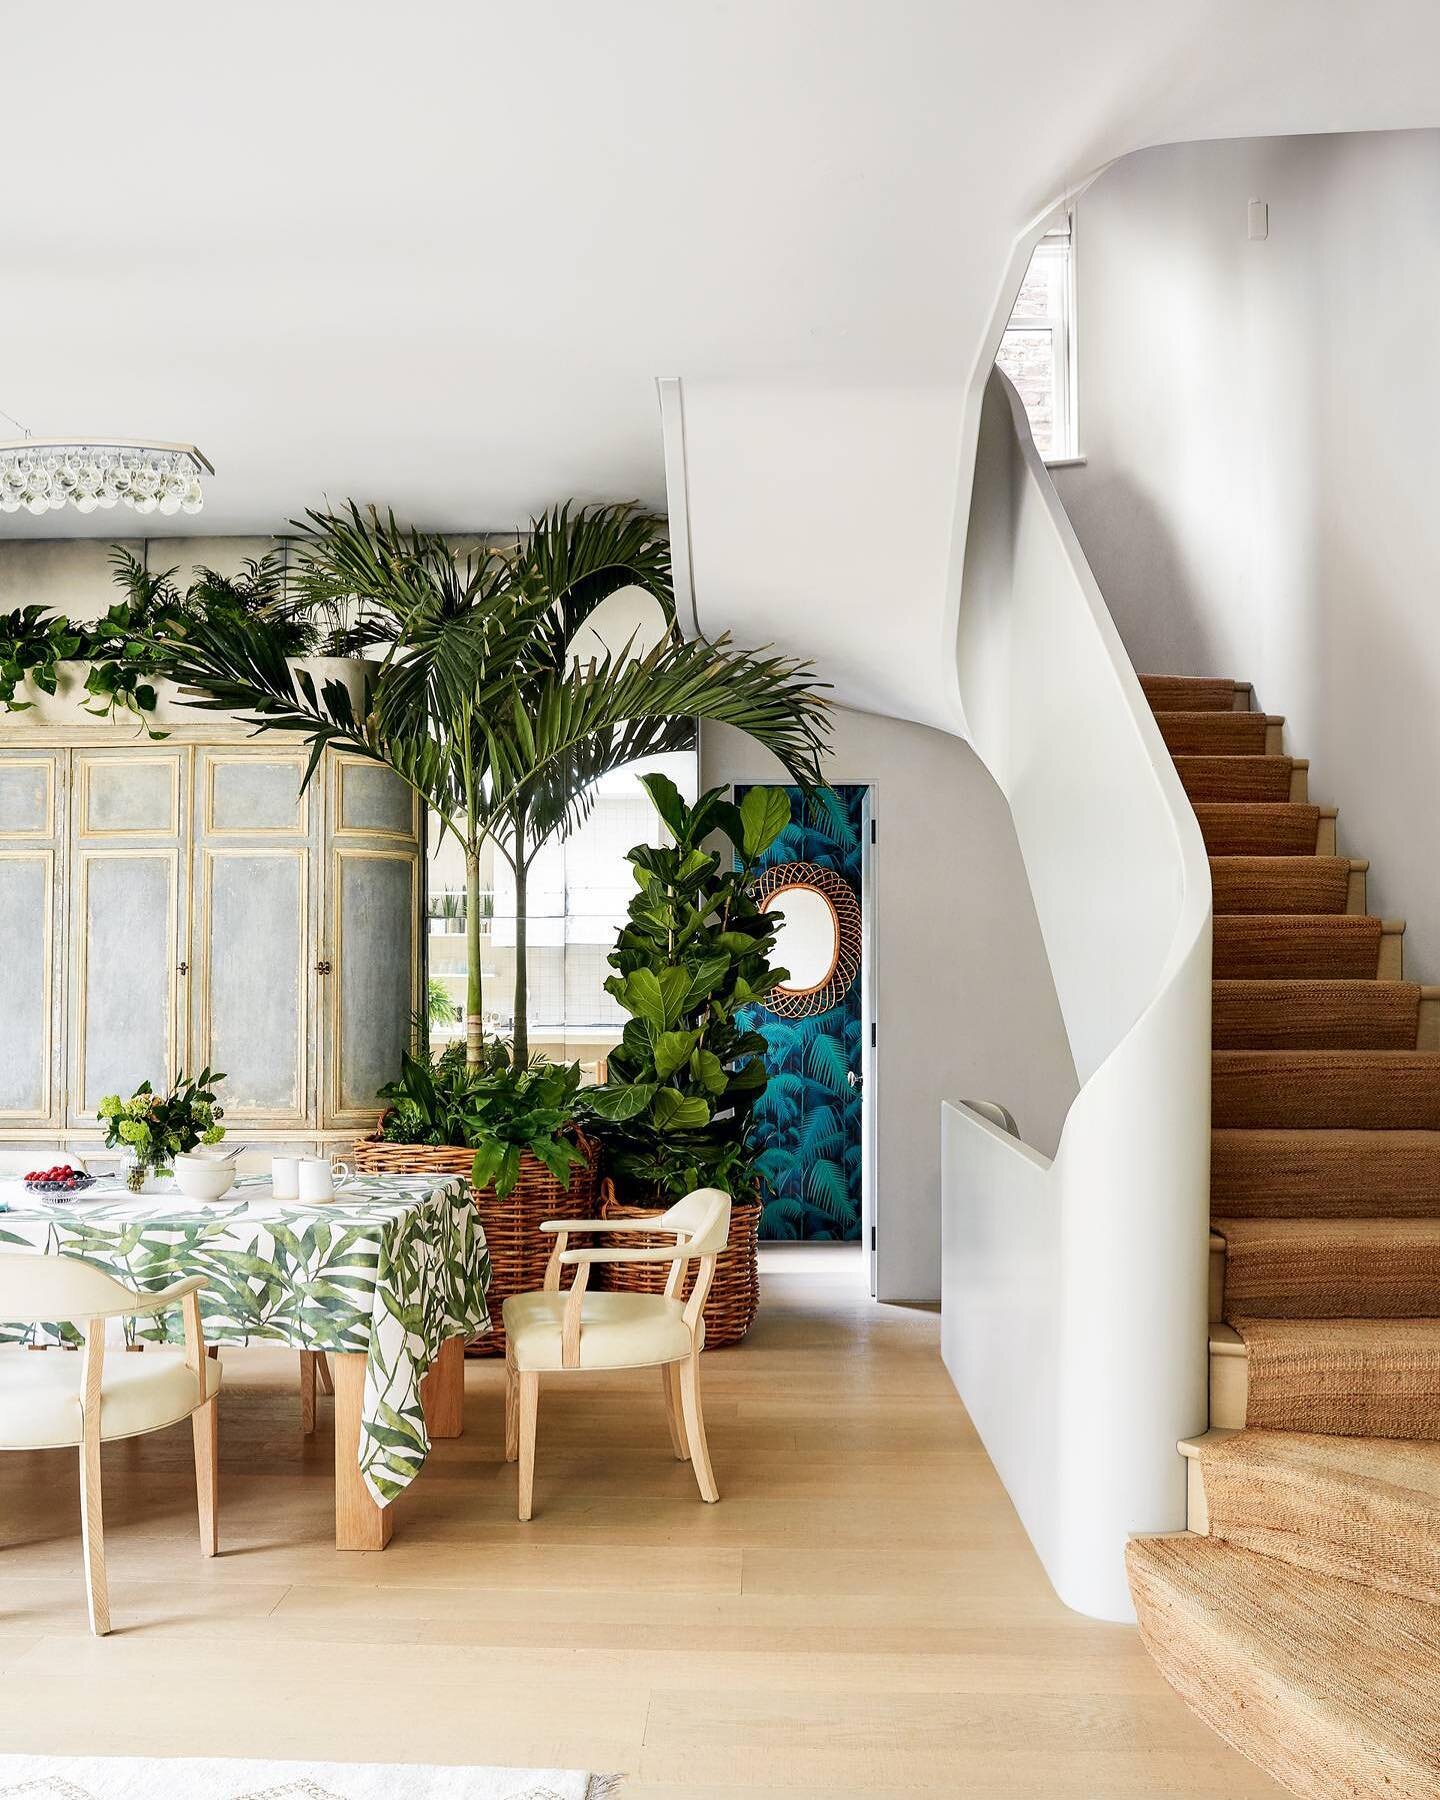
pixel 965 1007
pixel 1259 420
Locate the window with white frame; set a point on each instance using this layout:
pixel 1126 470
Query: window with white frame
pixel 1037 350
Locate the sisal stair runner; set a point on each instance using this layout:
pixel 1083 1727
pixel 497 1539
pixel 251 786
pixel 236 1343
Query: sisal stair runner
pixel 1238 778
pixel 1363 1509
pixel 1217 733
pixel 1325 1174
pixel 1353 1377
pixel 1231 828
pixel 1297 947
pixel 1281 884
pixel 1301 1615
pixel 1331 1685
pixel 1331 1268
pixel 1307 1015
pixel 1367 1090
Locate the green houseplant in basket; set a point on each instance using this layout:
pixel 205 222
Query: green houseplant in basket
pixel 674 1113
pixel 488 703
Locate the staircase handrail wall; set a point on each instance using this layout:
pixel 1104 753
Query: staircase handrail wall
pixel 1075 1289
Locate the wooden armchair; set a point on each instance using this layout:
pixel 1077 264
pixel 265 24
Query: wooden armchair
pixel 552 1331
pixel 63 1399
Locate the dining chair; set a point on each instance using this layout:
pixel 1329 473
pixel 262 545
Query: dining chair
pixel 63 1400
pixel 551 1331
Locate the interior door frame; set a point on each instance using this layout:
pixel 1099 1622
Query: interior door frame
pixel 869 1008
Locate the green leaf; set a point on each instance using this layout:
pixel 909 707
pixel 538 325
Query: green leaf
pixel 672 1051
pixel 708 1070
pixel 642 995
pixel 620 1103
pixel 673 1111
pixel 764 814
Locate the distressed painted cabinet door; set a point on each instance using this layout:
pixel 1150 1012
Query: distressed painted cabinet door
pixel 253 932
pixel 370 934
pixel 128 904
pixel 32 842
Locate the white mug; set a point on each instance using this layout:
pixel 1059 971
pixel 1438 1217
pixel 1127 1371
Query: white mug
pixel 284 1181
pixel 320 1178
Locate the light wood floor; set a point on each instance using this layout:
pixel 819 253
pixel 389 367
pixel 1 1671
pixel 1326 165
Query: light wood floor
pixel 860 1615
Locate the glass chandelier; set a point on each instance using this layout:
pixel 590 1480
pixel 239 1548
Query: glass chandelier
pixel 45 474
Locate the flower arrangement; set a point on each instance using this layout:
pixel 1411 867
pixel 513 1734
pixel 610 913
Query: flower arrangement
pixel 156 1128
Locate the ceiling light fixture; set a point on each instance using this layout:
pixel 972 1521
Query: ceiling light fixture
pixel 44 474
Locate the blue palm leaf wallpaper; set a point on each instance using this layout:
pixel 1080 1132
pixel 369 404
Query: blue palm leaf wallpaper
pixel 807 1125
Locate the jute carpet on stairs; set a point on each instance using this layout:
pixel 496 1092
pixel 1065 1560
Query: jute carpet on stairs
pixel 1356 1508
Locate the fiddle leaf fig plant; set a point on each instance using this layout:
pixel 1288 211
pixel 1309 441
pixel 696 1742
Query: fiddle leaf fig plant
pixel 674 1113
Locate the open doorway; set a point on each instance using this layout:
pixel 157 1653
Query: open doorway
pixel 814 1124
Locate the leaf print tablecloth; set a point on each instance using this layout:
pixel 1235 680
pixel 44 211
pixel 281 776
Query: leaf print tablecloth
pixel 390 1269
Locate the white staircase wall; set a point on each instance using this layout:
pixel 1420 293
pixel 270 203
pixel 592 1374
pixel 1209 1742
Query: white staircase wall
pixel 1074 1290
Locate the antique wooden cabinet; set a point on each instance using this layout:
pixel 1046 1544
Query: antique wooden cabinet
pixel 167 905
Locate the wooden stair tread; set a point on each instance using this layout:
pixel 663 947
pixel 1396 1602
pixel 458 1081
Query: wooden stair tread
pixel 1332 1686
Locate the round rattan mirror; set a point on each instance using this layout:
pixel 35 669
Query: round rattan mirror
pixel 818 938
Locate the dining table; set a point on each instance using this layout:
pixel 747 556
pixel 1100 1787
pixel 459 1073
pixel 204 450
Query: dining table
pixel 378 1287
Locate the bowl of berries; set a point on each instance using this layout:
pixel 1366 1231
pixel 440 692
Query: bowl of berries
pixel 63 1182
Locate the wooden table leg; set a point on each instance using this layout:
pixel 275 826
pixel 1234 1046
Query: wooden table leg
pixel 307 1392
pixel 359 1523
pixel 442 1391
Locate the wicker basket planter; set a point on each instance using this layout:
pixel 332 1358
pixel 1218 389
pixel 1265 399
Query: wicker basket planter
pixel 518 1249
pixel 735 1294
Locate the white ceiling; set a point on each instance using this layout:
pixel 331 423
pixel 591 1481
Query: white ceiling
pixel 436 254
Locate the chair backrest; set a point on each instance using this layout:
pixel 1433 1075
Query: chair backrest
pixel 704 1217
pixel 37 1288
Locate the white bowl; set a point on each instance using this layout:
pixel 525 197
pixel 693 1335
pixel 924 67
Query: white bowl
pixel 203 1177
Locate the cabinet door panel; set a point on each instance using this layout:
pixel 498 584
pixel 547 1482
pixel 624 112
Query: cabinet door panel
pixel 254 933
pixel 128 905
pixel 250 794
pixel 374 902
pixel 27 796
pixel 254 1014
pixel 131 794
pixel 27 907
pixel 371 801
pixel 125 962
pixel 32 894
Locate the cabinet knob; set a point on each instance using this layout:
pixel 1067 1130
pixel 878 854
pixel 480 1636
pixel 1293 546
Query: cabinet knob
pixel 322 968
pixel 182 968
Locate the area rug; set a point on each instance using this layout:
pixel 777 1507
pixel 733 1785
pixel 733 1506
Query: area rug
pixel 225 1778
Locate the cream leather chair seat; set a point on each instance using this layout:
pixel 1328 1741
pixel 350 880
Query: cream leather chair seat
pixel 617 1331
pixel 555 1330
pixel 40 1407
pixel 56 1399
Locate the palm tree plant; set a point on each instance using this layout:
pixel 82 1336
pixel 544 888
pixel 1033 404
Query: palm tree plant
pixel 479 701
